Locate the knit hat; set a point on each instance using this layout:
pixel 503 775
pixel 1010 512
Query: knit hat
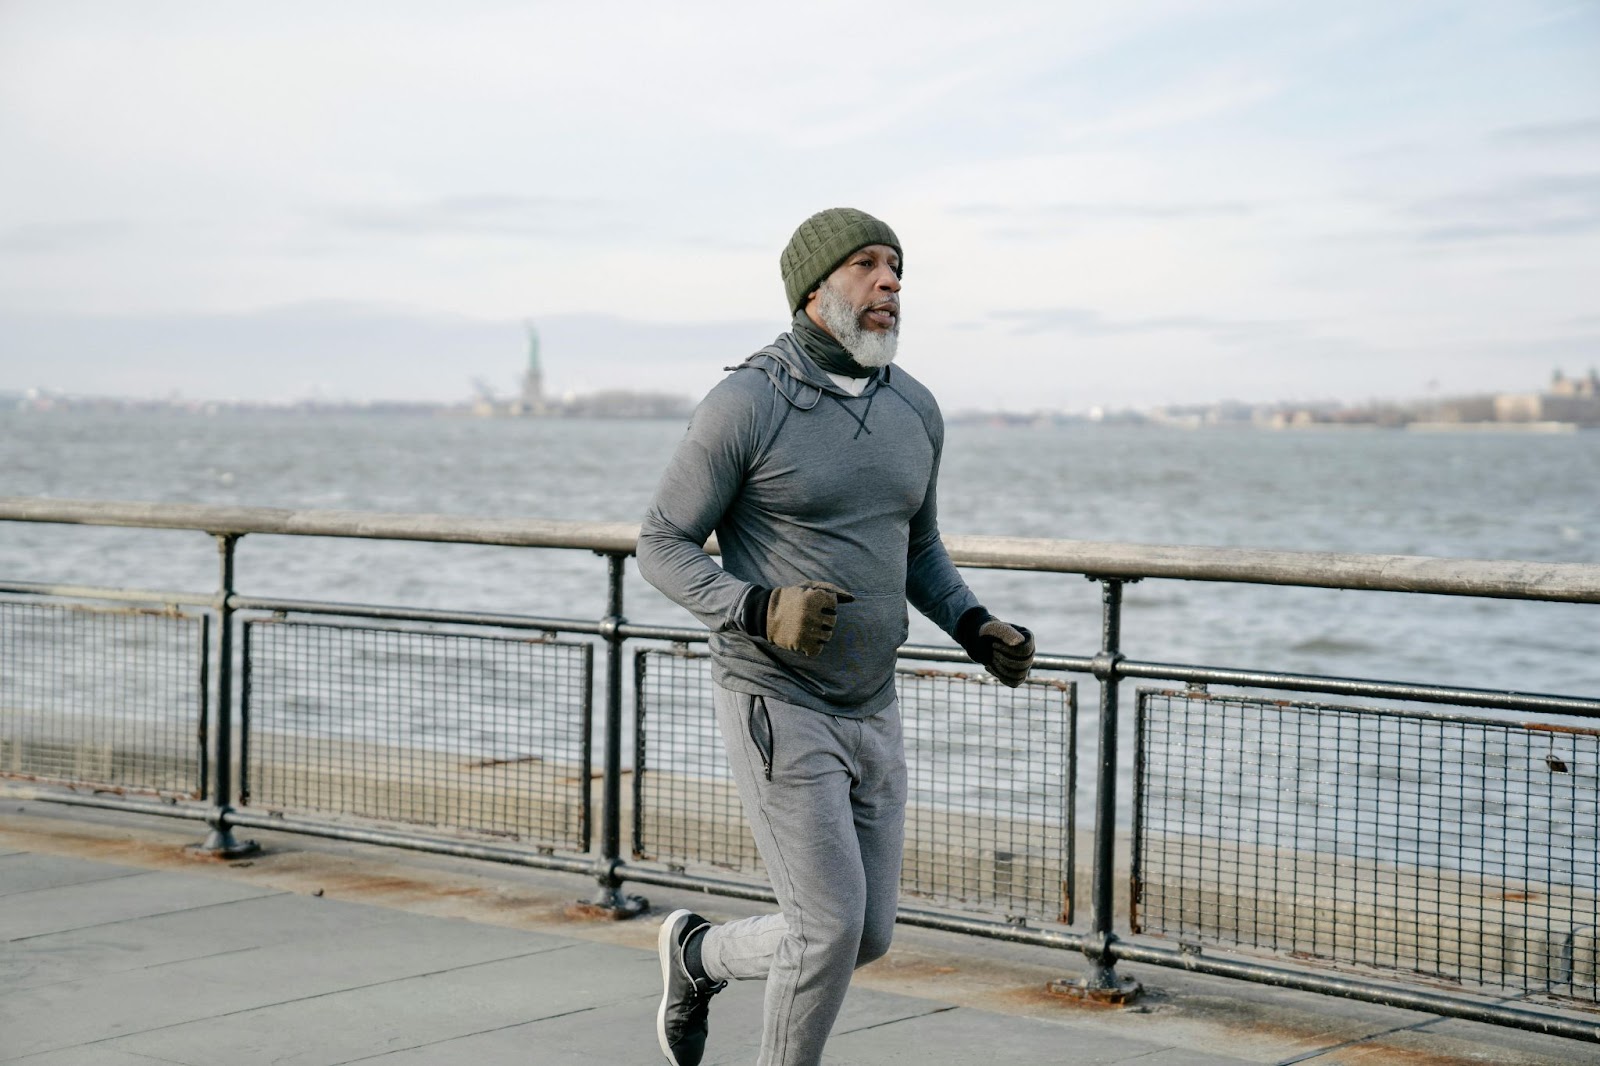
pixel 822 242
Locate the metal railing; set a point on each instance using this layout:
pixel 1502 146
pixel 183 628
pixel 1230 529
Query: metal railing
pixel 1445 862
pixel 1447 846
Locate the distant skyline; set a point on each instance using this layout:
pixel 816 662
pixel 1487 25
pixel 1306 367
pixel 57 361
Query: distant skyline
pixel 1113 205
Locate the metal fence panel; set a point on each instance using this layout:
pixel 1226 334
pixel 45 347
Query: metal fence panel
pixel 467 732
pixel 991 781
pixel 685 806
pixel 992 777
pixel 109 697
pixel 1432 844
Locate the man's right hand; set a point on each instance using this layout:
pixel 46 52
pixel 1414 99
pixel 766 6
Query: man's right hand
pixel 801 617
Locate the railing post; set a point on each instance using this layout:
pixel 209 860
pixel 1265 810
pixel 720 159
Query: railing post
pixel 1102 982
pixel 609 898
pixel 220 843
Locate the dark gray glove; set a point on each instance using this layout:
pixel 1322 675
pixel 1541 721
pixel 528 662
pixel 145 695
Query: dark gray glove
pixel 1010 651
pixel 1005 650
pixel 801 617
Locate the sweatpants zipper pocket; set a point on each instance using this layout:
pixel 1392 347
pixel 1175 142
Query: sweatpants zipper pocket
pixel 761 733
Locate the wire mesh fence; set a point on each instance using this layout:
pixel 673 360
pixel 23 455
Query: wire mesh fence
pixel 685 806
pixel 109 697
pixel 991 777
pixel 467 732
pixel 1435 845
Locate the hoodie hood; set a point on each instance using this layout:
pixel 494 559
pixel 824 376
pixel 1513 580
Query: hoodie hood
pixel 796 375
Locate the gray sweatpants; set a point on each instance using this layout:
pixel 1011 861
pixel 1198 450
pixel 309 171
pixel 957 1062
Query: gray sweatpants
pixel 826 799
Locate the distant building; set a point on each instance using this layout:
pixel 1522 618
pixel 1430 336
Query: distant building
pixel 1575 400
pixel 1467 409
pixel 1589 387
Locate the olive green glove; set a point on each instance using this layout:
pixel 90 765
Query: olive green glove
pixel 801 617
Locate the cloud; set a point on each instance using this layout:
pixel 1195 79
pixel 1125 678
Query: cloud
pixel 1582 131
pixel 1060 212
pixel 1086 322
pixel 41 237
pixel 485 215
pixel 1551 205
pixel 1182 105
pixel 515 217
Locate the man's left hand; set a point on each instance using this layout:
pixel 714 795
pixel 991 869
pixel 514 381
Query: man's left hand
pixel 1009 651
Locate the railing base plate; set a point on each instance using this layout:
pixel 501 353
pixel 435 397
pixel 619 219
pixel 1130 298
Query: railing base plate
pixel 223 848
pixel 618 909
pixel 1124 991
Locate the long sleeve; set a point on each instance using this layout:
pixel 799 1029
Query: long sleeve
pixel 702 479
pixel 933 584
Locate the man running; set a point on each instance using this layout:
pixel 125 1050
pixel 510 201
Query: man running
pixel 815 463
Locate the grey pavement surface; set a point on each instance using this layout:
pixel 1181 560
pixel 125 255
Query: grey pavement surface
pixel 120 951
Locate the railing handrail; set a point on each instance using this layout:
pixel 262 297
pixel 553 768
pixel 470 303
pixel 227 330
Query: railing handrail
pixel 1492 578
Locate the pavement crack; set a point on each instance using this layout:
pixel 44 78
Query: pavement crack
pixel 201 958
pixel 897 1021
pixel 306 999
pixel 75 884
pixel 142 917
pixel 137 969
pixel 463 1036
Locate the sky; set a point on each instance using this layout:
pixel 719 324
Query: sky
pixel 1100 204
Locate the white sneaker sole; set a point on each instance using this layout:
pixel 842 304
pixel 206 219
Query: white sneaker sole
pixel 664 941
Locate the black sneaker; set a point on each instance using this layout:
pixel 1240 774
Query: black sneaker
pixel 681 1020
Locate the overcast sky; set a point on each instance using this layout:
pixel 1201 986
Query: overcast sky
pixel 1107 203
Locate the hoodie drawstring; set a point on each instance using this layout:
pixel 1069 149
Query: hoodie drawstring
pixel 861 419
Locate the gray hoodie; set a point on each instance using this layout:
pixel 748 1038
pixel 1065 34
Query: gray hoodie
pixel 801 481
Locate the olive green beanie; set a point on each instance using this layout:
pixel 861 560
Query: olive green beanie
pixel 822 242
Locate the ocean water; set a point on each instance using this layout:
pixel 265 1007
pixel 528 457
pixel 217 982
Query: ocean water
pixel 1527 497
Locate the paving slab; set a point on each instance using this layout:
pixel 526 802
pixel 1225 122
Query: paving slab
pixel 736 1028
pixel 118 899
pixel 30 873
pixel 225 983
pixel 158 940
pixel 429 1009
pixel 624 1032
pixel 619 1032
pixel 86 1056
pixel 1182 1056
pixel 963 1035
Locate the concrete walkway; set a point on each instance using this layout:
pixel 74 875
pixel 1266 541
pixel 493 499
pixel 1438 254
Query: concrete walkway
pixel 120 951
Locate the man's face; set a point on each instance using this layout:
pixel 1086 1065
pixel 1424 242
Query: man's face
pixel 859 304
pixel 869 280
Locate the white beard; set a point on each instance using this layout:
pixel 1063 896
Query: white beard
pixel 870 348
